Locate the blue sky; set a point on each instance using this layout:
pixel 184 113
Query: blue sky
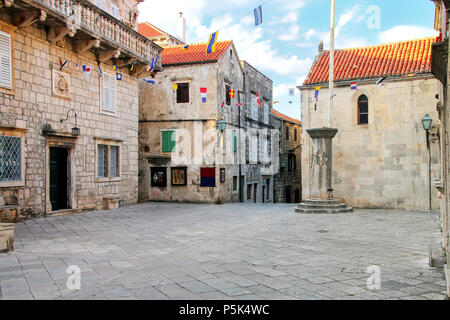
pixel 285 45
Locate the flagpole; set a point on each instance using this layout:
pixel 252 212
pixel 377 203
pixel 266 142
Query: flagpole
pixel 331 71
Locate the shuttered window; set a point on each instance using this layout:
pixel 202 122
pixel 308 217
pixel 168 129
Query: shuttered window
pixel 115 11
pixel 168 141
pixel 5 61
pixel 109 93
pixel 234 141
pixel 101 4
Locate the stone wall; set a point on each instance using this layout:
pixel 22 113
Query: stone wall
pixel 382 164
pixel 32 105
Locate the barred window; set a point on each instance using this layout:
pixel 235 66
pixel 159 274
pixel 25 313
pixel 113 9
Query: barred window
pixel 108 164
pixel 102 161
pixel 114 161
pixel 10 159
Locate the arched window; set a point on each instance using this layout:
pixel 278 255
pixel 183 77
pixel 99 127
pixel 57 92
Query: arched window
pixel 363 110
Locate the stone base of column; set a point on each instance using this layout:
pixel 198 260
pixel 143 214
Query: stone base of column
pixel 322 206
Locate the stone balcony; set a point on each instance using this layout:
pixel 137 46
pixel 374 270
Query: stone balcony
pixel 89 28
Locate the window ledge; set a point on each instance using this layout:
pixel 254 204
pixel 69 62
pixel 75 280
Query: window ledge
pixel 7 91
pixel 103 180
pixel 109 113
pixel 11 184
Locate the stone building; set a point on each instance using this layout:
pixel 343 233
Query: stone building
pixel 288 181
pixel 380 152
pixel 158 36
pixel 260 166
pixel 183 156
pixel 68 118
pixel 439 68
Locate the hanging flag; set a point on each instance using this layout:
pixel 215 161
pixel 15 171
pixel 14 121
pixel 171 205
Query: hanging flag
pixel 412 74
pixel 380 82
pixel 291 92
pixel 232 93
pixel 62 64
pixel 149 81
pixel 87 72
pixel 153 65
pixel 275 102
pixel 175 87
pixel 186 47
pixel 100 73
pixel 203 92
pixel 258 15
pixel 212 42
pixel 115 67
pixel 223 103
pixel 239 104
pixel 258 100
pixel 132 67
pixel 119 76
pixel 316 93
pixel 353 86
pixel 333 95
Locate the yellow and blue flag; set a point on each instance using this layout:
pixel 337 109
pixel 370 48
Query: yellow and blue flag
pixel 212 42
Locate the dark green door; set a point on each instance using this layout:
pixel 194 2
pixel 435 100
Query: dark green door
pixel 58 179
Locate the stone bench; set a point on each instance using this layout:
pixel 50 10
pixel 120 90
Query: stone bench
pixel 111 202
pixel 6 237
pixel 9 214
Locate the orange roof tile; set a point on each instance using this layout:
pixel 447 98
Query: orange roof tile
pixel 285 117
pixel 149 31
pixel 398 58
pixel 196 53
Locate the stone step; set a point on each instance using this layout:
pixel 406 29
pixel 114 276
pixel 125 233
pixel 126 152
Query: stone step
pixel 322 205
pixel 63 212
pixel 322 201
pixel 323 210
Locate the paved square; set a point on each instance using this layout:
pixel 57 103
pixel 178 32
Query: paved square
pixel 232 251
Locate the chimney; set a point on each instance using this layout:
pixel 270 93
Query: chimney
pixel 181 28
pixel 320 47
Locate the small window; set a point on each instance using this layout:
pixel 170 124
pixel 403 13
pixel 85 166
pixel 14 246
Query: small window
pixel 183 93
pixel 222 175
pixel 295 134
pixel 234 141
pixel 227 95
pixel 363 110
pixel 247 150
pixel 5 61
pixel 108 161
pixel 109 92
pixel 269 146
pixel 235 181
pixel 287 133
pixel 249 191
pixel 10 159
pixel 115 11
pixel 168 142
pixel 292 163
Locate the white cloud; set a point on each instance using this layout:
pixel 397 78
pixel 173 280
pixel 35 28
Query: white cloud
pixel 291 34
pixel 401 33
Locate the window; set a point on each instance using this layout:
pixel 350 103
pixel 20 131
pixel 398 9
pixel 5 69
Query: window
pixel 5 61
pixel 254 110
pixel 247 150
pixel 363 110
pixel 235 181
pixel 115 11
pixel 222 175
pixel 101 4
pixel 255 149
pixel 10 159
pixel 183 93
pixel 269 146
pixel 207 177
pixel 287 133
pixel 108 161
pixel 234 141
pixel 268 189
pixel 109 93
pixel 168 141
pixel 227 95
pixel 295 134
pixel 249 191
pixel 292 163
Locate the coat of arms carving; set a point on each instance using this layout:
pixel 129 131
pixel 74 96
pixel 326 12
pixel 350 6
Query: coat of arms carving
pixel 60 84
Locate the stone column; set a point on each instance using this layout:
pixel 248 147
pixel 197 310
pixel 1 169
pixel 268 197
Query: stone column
pixel 321 162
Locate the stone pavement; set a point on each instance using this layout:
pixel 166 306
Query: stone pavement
pixel 232 251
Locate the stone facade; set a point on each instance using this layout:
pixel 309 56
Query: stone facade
pixel 40 108
pixel 258 123
pixel 382 164
pixel 440 58
pixel 288 182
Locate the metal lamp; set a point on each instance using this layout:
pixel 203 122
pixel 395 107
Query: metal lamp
pixel 221 125
pixel 426 122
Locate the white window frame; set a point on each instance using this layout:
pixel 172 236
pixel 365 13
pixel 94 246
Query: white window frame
pixel 109 144
pixel 18 133
pixel 109 110
pixel 9 57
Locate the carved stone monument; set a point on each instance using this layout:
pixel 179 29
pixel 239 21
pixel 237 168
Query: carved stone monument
pixel 322 171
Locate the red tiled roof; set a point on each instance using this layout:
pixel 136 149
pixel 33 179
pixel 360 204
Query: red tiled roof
pixel 149 31
pixel 196 53
pixel 285 117
pixel 398 58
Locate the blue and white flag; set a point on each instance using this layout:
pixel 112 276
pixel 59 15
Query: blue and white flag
pixel 87 72
pixel 153 65
pixel 354 86
pixel 100 73
pixel 119 76
pixel 258 16
pixel 149 81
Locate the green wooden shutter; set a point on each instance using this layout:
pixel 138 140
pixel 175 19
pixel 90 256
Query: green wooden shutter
pixel 168 141
pixel 234 141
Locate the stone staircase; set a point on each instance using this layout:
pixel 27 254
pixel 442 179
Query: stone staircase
pixel 322 206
